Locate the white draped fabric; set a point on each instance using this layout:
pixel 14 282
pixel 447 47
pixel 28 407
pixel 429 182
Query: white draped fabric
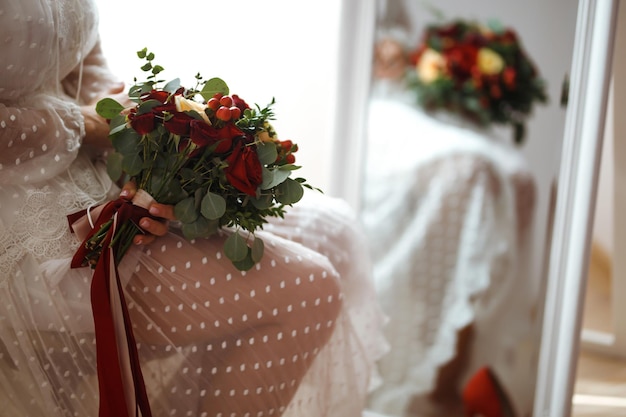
pixel 296 336
pixel 448 210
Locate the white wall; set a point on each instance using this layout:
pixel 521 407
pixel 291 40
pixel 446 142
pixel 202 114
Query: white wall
pixel 273 48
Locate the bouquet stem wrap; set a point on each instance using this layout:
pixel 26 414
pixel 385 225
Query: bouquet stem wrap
pixel 120 380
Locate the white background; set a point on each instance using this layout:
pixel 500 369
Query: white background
pixel 273 48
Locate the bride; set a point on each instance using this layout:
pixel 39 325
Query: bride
pixel 296 336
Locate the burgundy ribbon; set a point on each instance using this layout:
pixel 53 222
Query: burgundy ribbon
pixel 113 400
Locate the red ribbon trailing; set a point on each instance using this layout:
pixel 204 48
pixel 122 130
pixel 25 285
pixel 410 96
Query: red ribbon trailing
pixel 111 366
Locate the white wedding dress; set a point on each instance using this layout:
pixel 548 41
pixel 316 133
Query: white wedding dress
pixel 298 335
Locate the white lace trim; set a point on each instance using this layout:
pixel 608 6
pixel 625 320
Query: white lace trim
pixel 40 226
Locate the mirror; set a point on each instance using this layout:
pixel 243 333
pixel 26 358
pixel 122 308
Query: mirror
pixel 562 172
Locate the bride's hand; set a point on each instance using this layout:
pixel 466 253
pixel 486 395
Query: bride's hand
pixel 154 228
pixel 96 127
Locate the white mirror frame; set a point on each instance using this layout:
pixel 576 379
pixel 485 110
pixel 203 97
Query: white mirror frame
pixel 575 206
pixel 576 186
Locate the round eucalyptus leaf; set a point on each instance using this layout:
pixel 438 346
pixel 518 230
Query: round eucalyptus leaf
pixel 267 153
pixel 172 86
pixel 127 142
pixel 214 86
pixel 114 166
pixel 199 229
pixel 273 177
pixel 213 206
pixel 185 210
pixel 246 264
pixel 108 108
pixel 289 192
pixel 265 201
pixel 132 164
pixel 257 250
pixel 235 247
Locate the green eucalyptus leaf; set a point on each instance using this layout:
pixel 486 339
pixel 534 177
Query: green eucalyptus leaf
pixel 127 142
pixel 289 192
pixel 185 210
pixel 142 54
pixel 117 124
pixel 289 167
pixel 108 108
pixel 147 106
pixel 213 206
pixel 246 264
pixel 114 166
pixel 235 247
pixel 267 153
pixel 265 201
pixel 273 177
pixel 214 86
pixel 199 229
pixel 172 86
pixel 132 164
pixel 257 250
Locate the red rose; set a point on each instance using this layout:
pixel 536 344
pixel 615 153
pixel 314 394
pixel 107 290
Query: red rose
pixel 160 96
pixel 460 60
pixel 238 102
pixel 178 124
pixel 244 170
pixel 203 134
pixel 142 123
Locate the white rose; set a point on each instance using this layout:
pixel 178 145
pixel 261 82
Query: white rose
pixel 489 61
pixel 430 66
pixel 183 104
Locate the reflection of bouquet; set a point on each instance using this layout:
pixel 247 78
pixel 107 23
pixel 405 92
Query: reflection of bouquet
pixel 478 72
pixel 217 160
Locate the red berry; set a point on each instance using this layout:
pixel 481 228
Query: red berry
pixel 223 113
pixel 290 158
pixel 213 103
pixel 226 101
pixel 235 112
pixel 286 144
pixel 218 95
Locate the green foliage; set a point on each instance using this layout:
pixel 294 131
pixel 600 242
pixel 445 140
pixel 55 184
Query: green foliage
pixel 194 178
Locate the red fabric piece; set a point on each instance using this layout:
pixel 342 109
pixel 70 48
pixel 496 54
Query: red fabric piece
pixel 113 402
pixel 480 396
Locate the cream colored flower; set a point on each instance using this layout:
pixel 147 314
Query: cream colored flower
pixel 489 61
pixel 183 104
pixel 430 66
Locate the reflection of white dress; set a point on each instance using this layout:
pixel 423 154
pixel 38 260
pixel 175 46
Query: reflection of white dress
pixel 212 339
pixel 449 215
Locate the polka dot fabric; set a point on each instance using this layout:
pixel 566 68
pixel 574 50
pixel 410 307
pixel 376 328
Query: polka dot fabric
pixel 298 335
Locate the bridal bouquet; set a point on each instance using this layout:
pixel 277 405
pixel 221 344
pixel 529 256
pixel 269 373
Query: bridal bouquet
pixel 479 72
pixel 208 153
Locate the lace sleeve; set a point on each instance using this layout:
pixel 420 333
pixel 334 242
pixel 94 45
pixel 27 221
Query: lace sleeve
pixel 91 80
pixel 40 140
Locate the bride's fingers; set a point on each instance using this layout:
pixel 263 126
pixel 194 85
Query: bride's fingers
pixel 128 190
pixel 163 211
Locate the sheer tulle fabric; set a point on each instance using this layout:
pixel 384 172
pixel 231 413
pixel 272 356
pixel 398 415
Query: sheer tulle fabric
pixel 457 253
pixel 296 336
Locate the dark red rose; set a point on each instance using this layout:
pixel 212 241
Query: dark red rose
pixel 142 123
pixel 244 170
pixel 179 123
pixel 203 134
pixel 460 60
pixel 160 96
pixel 238 102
